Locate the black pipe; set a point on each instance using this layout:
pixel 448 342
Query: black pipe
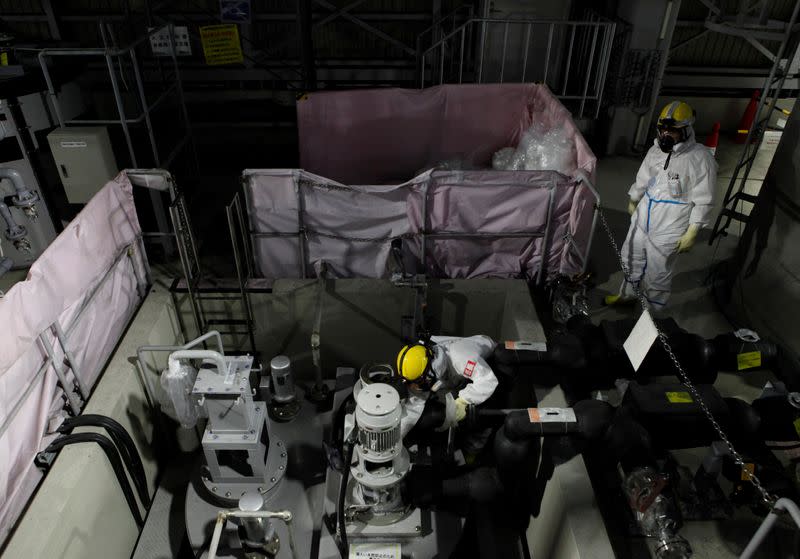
pixel 123 442
pixel 349 447
pixel 113 458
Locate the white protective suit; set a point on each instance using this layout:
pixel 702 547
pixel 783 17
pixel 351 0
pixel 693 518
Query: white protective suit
pixel 460 367
pixel 669 200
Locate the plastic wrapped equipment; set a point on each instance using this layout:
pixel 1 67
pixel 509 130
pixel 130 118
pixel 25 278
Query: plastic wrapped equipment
pixel 176 400
pixel 539 149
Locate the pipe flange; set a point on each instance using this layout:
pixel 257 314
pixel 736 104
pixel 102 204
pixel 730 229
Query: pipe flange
pixel 794 399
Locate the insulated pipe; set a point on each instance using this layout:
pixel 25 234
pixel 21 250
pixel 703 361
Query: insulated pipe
pixel 222 518
pixel 215 356
pixel 24 195
pixel 14 231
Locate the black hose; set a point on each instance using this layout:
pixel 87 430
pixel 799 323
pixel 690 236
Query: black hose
pixel 123 442
pixel 348 454
pixel 113 457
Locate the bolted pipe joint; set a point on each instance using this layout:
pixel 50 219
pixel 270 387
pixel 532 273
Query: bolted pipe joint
pixel 24 199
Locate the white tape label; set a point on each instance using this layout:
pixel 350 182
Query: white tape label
pixel 73 144
pixel 524 345
pixel 640 340
pixel 551 415
pixel 375 551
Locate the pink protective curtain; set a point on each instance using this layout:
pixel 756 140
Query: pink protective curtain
pixel 88 280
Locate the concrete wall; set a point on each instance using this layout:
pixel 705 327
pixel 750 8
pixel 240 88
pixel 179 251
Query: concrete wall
pixel 79 510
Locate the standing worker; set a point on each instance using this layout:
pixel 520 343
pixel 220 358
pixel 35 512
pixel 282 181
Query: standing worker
pixel 670 202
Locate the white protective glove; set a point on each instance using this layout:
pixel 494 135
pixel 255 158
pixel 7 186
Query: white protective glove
pixel 461 409
pixel 686 242
pixel 632 206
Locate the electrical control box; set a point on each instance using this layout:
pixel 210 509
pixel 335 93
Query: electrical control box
pixel 84 159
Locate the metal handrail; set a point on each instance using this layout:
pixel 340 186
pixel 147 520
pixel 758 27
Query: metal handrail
pixel 589 50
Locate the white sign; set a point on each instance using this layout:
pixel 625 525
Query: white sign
pixel 160 42
pixel 640 340
pixel 375 551
pixel 73 144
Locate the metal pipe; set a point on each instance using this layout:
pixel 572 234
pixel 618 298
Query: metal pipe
pixel 24 194
pixel 238 264
pixel 527 48
pixel 74 404
pixel 569 61
pixel 422 72
pixel 316 341
pixel 609 45
pixel 588 73
pixel 441 62
pixel 461 59
pixel 145 109
pixel 120 108
pixel 546 238
pixel 247 248
pixel 222 518
pixel 214 356
pixel 503 56
pixel 88 298
pixel 73 363
pixel 483 47
pixel 301 241
pixel 783 504
pixel 424 228
pixel 547 56
pixel 19 401
pixel 50 88
pixel 184 258
pixel 14 231
pixel 181 99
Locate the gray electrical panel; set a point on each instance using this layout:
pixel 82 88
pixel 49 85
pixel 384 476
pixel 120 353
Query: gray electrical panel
pixel 84 159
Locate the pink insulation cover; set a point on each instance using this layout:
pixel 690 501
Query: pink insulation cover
pixel 350 227
pixel 379 136
pixel 86 257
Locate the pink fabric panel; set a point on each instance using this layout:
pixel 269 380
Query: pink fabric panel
pixel 390 135
pixel 57 285
pixel 492 202
pixel 60 276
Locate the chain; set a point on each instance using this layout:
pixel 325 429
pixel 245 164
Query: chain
pixel 767 497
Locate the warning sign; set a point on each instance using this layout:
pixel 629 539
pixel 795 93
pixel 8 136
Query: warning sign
pixel 679 398
pixel 221 44
pixel 749 360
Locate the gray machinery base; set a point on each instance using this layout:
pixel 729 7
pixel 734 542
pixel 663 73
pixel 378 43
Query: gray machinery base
pixel 301 491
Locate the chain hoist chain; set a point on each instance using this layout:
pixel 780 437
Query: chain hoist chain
pixel 682 375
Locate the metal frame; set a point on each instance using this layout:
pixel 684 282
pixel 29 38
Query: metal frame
pixel 119 54
pixel 735 194
pixel 589 49
pixel 581 179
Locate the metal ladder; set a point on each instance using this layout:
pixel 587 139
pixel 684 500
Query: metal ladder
pixel 735 194
pixel 200 291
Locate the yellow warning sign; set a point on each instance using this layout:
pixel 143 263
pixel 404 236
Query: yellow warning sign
pixel 748 360
pixel 796 424
pixel 221 44
pixel 679 398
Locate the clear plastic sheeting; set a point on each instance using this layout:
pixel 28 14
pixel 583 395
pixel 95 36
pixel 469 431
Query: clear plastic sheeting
pixel 540 149
pixel 90 280
pixel 177 401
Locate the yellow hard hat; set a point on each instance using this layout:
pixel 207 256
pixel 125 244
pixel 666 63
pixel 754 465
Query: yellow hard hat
pixel 676 115
pixel 412 362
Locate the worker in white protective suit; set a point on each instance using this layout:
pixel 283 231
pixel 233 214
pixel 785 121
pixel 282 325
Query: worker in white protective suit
pixel 453 369
pixel 670 202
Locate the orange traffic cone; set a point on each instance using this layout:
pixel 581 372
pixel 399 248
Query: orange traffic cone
pixel 713 139
pixel 747 118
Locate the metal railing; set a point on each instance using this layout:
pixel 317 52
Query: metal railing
pixel 570 57
pixel 128 84
pixel 305 181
